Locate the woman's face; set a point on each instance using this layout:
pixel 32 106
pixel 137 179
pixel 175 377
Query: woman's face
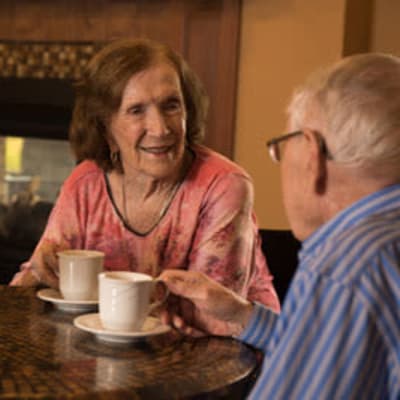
pixel 149 128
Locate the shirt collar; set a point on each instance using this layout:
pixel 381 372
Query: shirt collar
pixel 377 202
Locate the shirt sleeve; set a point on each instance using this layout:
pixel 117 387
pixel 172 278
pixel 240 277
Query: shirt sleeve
pixel 227 245
pixel 324 344
pixel 260 327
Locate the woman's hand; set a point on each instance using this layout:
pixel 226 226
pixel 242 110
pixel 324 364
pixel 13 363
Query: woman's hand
pixel 204 306
pixel 41 270
pixel 45 265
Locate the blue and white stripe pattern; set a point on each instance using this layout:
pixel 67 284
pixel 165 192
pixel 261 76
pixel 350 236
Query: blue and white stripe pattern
pixel 338 335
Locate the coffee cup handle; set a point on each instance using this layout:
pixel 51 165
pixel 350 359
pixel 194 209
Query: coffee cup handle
pixel 158 303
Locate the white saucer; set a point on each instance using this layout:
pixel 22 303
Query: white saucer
pixel 92 323
pixel 54 296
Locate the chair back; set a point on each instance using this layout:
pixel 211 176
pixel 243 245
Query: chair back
pixel 280 248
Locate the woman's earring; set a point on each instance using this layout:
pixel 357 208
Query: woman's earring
pixel 114 155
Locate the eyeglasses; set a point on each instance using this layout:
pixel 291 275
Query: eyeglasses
pixel 273 145
pixel 275 150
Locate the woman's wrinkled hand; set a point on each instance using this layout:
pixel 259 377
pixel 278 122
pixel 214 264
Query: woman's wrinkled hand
pixel 45 266
pixel 202 306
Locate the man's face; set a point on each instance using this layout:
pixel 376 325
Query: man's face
pixel 300 172
pixel 292 175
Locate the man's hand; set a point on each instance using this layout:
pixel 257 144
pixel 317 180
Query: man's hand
pixel 204 305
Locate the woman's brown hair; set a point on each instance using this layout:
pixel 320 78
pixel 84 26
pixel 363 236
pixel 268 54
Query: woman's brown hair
pixel 99 93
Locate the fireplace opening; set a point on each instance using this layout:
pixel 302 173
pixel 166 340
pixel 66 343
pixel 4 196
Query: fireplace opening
pixel 32 171
pixel 39 108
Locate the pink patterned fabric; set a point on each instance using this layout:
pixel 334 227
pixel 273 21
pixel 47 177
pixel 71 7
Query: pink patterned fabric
pixel 209 226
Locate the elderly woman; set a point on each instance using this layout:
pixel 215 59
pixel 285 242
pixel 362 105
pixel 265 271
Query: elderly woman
pixel 145 192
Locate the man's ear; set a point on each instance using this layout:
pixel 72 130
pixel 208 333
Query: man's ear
pixel 316 161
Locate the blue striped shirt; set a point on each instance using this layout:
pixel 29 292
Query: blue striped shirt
pixel 338 335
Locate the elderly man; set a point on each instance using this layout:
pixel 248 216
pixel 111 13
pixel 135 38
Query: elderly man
pixel 338 335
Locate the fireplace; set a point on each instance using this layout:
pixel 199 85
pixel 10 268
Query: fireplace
pixel 36 97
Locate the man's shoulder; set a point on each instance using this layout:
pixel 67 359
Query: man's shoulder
pixel 373 242
pixel 373 232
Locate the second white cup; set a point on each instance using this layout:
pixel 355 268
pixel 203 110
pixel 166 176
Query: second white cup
pixel 79 271
pixel 125 299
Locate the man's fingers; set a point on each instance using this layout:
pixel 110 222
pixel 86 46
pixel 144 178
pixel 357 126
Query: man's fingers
pixel 189 284
pixel 186 329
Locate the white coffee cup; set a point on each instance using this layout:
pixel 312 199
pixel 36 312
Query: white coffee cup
pixel 124 299
pixel 78 274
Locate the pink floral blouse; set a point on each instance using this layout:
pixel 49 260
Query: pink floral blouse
pixel 209 226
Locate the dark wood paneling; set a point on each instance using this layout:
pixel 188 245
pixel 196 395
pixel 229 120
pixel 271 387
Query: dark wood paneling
pixel 357 30
pixel 206 32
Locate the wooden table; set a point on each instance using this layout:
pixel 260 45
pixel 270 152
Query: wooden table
pixel 42 355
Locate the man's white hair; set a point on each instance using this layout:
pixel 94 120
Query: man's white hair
pixel 356 105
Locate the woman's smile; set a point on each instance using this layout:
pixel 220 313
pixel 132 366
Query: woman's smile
pixel 157 150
